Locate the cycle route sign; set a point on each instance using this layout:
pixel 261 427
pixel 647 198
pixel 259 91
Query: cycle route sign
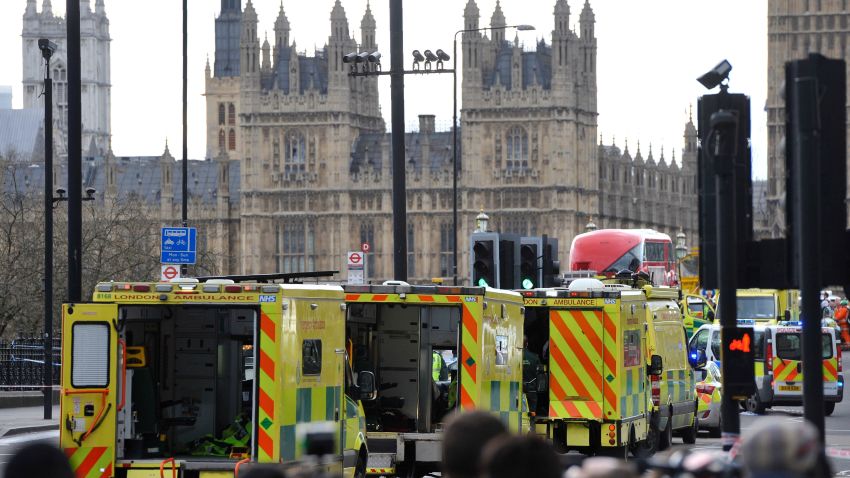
pixel 179 245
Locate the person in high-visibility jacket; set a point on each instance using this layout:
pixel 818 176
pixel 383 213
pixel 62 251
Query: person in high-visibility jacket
pixel 439 372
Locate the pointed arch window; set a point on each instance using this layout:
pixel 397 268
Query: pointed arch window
pixel 517 148
pixel 231 140
pixel 221 114
pixel 221 140
pixel 296 152
pixel 231 114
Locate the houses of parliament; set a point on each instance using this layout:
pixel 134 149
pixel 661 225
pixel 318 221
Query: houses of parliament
pixel 299 160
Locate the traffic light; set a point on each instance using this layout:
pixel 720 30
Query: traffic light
pixel 551 267
pixel 737 358
pixel 509 261
pixel 484 259
pixel 531 263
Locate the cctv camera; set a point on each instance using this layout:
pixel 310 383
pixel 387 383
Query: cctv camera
pixel 90 191
pixel 349 58
pixel 375 57
pixel 47 47
pixel 361 57
pixel 60 191
pixel 417 56
pixel 430 56
pixel 716 75
pixel 443 56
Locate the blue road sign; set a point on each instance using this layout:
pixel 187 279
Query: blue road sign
pixel 179 245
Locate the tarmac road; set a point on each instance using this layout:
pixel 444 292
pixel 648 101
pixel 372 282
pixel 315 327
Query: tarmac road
pixel 837 433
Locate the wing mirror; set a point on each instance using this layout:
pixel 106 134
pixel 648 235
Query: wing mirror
pixel 366 385
pixel 656 365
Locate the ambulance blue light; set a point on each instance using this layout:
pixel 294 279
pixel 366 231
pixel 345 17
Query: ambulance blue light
pixel 482 282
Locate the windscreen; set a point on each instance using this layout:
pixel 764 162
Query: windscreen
pixel 630 260
pixel 789 346
pixel 756 308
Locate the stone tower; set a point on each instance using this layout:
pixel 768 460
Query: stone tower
pixel 529 126
pixel 95 72
pixel 795 29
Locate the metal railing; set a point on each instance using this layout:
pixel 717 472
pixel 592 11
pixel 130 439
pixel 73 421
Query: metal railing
pixel 22 363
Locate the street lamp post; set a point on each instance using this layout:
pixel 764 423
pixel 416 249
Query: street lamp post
pixel 454 131
pixel 47 48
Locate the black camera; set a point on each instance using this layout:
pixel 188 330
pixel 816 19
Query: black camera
pixel 47 47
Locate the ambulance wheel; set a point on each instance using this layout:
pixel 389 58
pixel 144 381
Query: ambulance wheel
pixel 665 440
pixel 647 447
pixel 755 405
pixel 689 435
pixel 828 408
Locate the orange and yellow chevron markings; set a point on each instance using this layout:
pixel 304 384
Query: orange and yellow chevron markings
pixel 830 370
pixel 90 462
pixel 268 355
pixel 575 345
pixel 469 360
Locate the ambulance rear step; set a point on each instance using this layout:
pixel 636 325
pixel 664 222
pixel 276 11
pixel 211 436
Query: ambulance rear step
pixel 381 464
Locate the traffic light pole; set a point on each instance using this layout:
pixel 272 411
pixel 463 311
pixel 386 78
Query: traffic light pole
pixel 724 126
pixel 399 181
pixel 807 212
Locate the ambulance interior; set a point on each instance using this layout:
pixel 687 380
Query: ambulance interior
pixel 188 388
pixel 536 331
pixel 397 342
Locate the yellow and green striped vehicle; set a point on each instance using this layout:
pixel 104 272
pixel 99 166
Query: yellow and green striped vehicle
pixel 208 377
pixel 396 331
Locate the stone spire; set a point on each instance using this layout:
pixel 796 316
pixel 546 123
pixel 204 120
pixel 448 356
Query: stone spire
pixel 99 8
pixel 587 21
pixel 562 17
pixel 31 9
pixel 367 30
pixel 46 8
pixel 267 62
pixel 497 23
pixel 249 43
pixel 638 156
pixel 85 7
pixel 471 16
pixel 339 23
pixel 626 153
pixel 661 161
pixel 649 159
pixel 281 30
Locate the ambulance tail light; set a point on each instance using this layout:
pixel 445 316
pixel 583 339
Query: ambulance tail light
pixel 768 357
pixel 838 356
pixel 233 288
pixel 123 287
pixel 141 288
pixel 655 381
pixel 705 388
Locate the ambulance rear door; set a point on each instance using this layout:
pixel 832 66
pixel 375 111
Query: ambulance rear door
pixel 91 389
pixel 575 361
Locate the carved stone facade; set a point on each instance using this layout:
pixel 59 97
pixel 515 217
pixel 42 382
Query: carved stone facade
pixel 95 72
pixel 314 158
pixel 795 29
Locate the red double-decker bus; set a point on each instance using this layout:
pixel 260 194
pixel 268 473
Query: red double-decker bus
pixel 609 251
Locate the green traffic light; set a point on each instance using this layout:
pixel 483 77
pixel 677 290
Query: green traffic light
pixel 483 283
pixel 527 284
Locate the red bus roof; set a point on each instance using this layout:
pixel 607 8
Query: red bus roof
pixel 598 250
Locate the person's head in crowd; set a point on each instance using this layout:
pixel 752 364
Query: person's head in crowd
pixel 603 467
pixel 466 435
pixel 516 456
pixel 778 448
pixel 38 460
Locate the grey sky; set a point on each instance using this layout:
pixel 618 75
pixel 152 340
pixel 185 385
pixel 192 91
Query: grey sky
pixel 650 53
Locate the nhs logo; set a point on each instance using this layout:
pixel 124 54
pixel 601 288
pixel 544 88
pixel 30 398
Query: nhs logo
pixel 268 298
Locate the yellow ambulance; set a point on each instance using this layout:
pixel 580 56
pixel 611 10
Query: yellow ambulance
pixel 403 333
pixel 613 356
pixel 201 379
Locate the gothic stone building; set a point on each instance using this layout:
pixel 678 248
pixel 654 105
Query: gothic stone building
pixel 795 28
pixel 95 72
pixel 314 157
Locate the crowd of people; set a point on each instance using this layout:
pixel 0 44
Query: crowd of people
pixel 478 445
pixel 837 309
